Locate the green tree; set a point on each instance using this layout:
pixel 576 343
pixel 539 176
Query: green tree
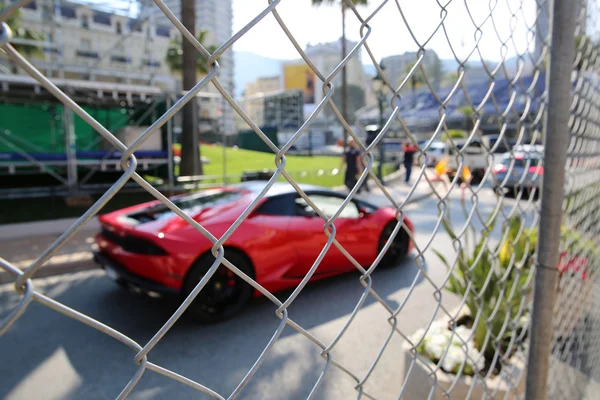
pixel 450 78
pixel 19 32
pixel 344 87
pixel 174 57
pixel 467 112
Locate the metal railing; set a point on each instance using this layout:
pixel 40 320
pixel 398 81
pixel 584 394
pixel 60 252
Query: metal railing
pixel 493 326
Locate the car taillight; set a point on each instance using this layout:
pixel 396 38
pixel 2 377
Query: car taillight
pixel 538 170
pixel 133 244
pixel 499 168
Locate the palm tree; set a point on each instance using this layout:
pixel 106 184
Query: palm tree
pixel 190 146
pixel 344 52
pixel 183 56
pixel 174 57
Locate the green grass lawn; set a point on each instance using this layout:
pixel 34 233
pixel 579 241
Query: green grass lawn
pixel 318 170
pixel 239 161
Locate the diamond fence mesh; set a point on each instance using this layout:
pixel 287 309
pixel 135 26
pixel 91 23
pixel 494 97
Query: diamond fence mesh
pixel 484 205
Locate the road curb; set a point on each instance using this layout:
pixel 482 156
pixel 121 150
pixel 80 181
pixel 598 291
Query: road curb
pixel 42 228
pixel 84 263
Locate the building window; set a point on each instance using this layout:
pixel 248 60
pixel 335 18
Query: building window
pixel 152 63
pixel 163 31
pixel 135 25
pixel 67 12
pixel 120 59
pixel 85 22
pixel 85 49
pixel 101 18
pixel 87 54
pixel 119 28
pixel 31 5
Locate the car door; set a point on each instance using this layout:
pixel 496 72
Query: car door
pixel 309 238
pixel 267 238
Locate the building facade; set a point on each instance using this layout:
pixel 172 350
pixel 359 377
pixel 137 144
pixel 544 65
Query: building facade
pixel 267 84
pixel 326 57
pixel 82 42
pixel 216 16
pixel 396 67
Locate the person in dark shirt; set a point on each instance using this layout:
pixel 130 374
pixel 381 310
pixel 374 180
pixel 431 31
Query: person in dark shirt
pixel 409 152
pixel 351 158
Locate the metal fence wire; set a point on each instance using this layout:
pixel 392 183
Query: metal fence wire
pixel 478 334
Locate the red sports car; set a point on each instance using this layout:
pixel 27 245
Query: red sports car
pixel 150 248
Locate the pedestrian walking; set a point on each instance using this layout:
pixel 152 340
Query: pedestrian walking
pixel 409 152
pixel 351 158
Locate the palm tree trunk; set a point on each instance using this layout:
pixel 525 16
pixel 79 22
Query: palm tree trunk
pixel 344 72
pixel 190 151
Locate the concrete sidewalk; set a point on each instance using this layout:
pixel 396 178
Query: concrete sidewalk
pixel 75 255
pixel 29 241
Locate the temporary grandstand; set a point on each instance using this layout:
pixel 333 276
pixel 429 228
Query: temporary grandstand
pixel 519 100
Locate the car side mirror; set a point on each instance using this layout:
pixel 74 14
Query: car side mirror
pixel 363 212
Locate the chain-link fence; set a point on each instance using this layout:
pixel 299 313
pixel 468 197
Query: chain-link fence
pixel 472 244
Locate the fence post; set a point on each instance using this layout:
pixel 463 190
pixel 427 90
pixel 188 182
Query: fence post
pixel 556 139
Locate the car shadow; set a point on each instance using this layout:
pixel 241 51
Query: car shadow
pixel 43 343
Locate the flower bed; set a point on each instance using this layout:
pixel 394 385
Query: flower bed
pixel 448 362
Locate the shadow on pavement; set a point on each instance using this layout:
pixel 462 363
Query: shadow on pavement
pixel 46 352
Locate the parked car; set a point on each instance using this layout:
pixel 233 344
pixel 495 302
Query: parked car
pixel 474 155
pixel 150 248
pixel 526 171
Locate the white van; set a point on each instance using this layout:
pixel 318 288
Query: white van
pixel 475 156
pixel 435 153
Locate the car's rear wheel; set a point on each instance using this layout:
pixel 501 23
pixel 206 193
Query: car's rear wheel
pixel 225 294
pixel 397 250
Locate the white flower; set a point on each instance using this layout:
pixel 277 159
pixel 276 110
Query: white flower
pixel 417 336
pixel 439 340
pixel 463 333
pixel 435 345
pixel 453 358
pixel 475 357
pixel 438 327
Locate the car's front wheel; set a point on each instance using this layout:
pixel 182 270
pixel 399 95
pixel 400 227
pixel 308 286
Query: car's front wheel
pixel 224 295
pixel 398 248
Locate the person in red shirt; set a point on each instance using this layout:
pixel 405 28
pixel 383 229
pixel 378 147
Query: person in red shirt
pixel 409 153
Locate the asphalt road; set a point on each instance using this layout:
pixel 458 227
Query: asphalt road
pixel 46 355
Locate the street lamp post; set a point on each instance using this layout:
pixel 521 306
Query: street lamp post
pixel 381 92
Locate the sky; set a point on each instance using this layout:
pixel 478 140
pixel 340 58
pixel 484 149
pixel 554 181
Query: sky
pixel 389 34
pixel 392 30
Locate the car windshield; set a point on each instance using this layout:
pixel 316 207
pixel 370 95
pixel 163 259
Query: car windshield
pixel 190 205
pixel 521 162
